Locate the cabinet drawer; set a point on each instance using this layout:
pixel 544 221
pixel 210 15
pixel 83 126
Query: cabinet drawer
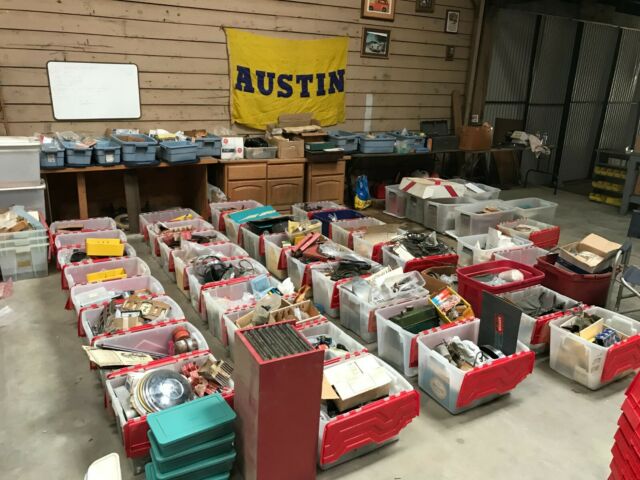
pixel 249 171
pixel 287 170
pixel 285 192
pixel 247 190
pixel 329 188
pixel 331 168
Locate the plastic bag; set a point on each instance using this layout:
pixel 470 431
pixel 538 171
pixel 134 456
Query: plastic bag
pixel 362 199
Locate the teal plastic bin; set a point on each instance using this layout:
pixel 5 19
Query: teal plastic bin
pixel 191 474
pixel 164 464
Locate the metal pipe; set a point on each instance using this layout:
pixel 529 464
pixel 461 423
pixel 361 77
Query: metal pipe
pixel 474 63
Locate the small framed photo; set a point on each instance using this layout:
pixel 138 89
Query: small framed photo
pixel 453 21
pixel 375 43
pixel 425 6
pixel 379 9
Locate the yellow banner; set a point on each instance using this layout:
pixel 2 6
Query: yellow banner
pixel 273 76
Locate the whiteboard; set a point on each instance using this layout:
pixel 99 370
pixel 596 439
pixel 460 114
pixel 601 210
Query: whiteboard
pixel 94 91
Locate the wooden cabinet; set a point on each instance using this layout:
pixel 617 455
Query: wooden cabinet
pixel 325 181
pixel 247 190
pixel 282 193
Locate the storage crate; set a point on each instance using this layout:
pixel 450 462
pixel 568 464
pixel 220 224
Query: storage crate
pixel 358 315
pixel 380 143
pixel 590 289
pixel 534 330
pixel 39 227
pixel 366 248
pixel 253 244
pixel 137 149
pixel 485 192
pixel 92 293
pixel 208 146
pixel 220 245
pixel 32 198
pixel 63 258
pixel 590 364
pixel 456 390
pixel 77 274
pixel 328 217
pixel 470 219
pixel 51 155
pixel 300 272
pixel 342 231
pixel 146 219
pixel 526 255
pixel 412 142
pixel 322 326
pixel 197 224
pixel 106 152
pixel 260 153
pixel 305 211
pixel 345 140
pixel 180 151
pixel 362 430
pixel 471 289
pixel 547 236
pixel 439 214
pixel 88 225
pixel 26 258
pixel 472 249
pixel 19 162
pixel 76 155
pixel 389 258
pixel 395 201
pixel 276 254
pixel 78 239
pixel 535 208
pixel 221 209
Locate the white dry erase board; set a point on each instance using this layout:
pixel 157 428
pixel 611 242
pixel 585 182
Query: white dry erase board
pixel 94 91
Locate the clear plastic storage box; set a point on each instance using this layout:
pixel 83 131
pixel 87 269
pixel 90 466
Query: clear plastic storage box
pixel 253 244
pixel 473 249
pixel 535 208
pixel 457 390
pixel 25 258
pixel 173 214
pixel 367 248
pixel 77 274
pixel 275 248
pixel 19 162
pixel 32 198
pixel 472 220
pixel 439 214
pixel 478 191
pixel 260 153
pixel 527 255
pixel 220 210
pixel 95 293
pixel 78 239
pixel 300 272
pixel 391 259
pixel 546 236
pixel 342 231
pixel 414 208
pixel 197 224
pixel 220 246
pixel 88 225
pixel 305 211
pixel 63 258
pixel 323 327
pixel 395 201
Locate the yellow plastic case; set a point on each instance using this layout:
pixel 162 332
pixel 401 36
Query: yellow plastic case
pixel 103 276
pixel 104 247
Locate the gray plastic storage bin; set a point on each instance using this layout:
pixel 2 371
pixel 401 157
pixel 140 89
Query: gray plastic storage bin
pixel 19 162
pixel 106 152
pixel 414 141
pixel 381 143
pixel 76 156
pixel 51 155
pixel 137 148
pixel 178 152
pixel 344 140
pixel 439 214
pixel 415 208
pixel 209 146
pixel 260 153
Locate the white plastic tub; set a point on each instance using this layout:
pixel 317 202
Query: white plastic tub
pixel 391 259
pixel 79 238
pixel 194 225
pixel 487 192
pixel 472 249
pixel 221 209
pixel 63 257
pixel 589 364
pixel 304 211
pixel 22 259
pixel 19 162
pixel 95 293
pixel 343 231
pixel 232 230
pixel 526 255
pixel 229 319
pixel 414 208
pixel 358 315
pixel 300 272
pixel 368 249
pixel 77 274
pixel 182 258
pixel 275 254
pixel 456 390
pixel 88 225
pixel 439 214
pixel 470 219
pixel 395 201
pixel 149 218
pixel 322 326
pixel 167 253
pixel 536 208
pixel 253 244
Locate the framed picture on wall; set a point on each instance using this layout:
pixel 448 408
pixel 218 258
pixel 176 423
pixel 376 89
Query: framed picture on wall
pixel 375 43
pixel 425 6
pixel 453 21
pixel 379 9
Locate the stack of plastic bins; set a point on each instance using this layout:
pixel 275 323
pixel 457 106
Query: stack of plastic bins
pixel 196 289
pixel 395 201
pixel 275 248
pixel 176 152
pixel 106 152
pixel 534 330
pixel 378 423
pixel 392 260
pixel 626 454
pixel 547 236
pixel 305 211
pixel 175 214
pixel 63 259
pixel 535 208
pixel 471 249
pixel 194 225
pixel 590 289
pixel 134 430
pixel 526 255
pixel 485 192
pixel 381 143
pixel 322 327
pixel 414 210
pixel 471 289
pixel 208 146
pixel 330 216
pixel 77 274
pixel 439 214
pixel 395 344
pixel 78 240
pixel 300 272
pixel 457 390
pixel 90 317
pixel 88 225
pixel 590 364
pixel 345 140
pixel 342 231
pixel 220 210
pixel 471 219
pixel 358 315
pixel 25 254
pixel 326 295
pixel 221 242
pixel 137 149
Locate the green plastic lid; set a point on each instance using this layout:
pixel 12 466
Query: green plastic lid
pixel 150 473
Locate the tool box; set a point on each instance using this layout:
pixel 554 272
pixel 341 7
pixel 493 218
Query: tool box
pixel 174 214
pixel 220 210
pixel 79 274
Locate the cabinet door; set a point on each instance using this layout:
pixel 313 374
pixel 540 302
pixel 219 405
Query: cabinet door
pixel 329 188
pixel 286 191
pixel 247 190
pixel 247 171
pixel 285 170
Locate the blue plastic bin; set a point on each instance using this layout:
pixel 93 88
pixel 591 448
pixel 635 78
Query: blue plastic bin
pixel 76 156
pixel 51 155
pixel 328 217
pixel 137 149
pixel 381 143
pixel 106 152
pixel 178 152
pixel 416 142
pixel 209 146
pixel 345 140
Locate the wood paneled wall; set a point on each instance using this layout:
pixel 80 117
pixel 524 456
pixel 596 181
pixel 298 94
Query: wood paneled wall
pixel 180 49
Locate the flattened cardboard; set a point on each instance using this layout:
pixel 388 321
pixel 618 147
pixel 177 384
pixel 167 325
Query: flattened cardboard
pixel 380 233
pixel 431 188
pixel 496 310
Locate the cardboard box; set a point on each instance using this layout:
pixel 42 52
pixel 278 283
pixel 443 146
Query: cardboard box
pixel 433 284
pixel 431 188
pixel 287 148
pixel 476 138
pixel 232 148
pixel 603 249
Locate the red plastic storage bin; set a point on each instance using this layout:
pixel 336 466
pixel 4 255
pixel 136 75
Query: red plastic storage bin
pixel 471 289
pixel 590 289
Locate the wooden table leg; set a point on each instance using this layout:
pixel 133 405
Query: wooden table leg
pixel 81 184
pixel 132 198
pixel 202 190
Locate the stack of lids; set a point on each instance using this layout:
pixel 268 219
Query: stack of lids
pixel 192 441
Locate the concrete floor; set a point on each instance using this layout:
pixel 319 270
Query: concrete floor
pixel 54 424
